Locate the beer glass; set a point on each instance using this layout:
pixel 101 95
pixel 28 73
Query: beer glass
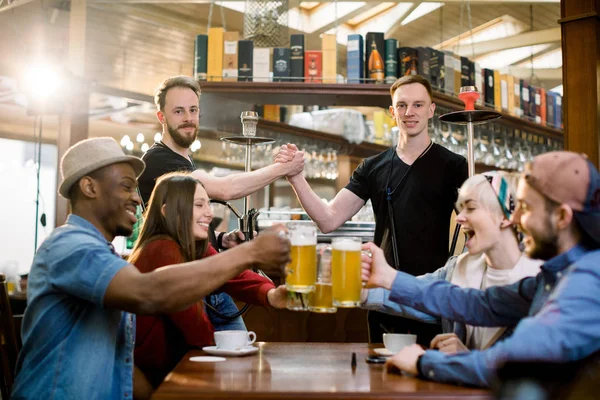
pixel 320 301
pixel 346 271
pixel 301 272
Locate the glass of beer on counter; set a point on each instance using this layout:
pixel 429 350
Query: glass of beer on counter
pixel 301 272
pixel 345 271
pixel 321 301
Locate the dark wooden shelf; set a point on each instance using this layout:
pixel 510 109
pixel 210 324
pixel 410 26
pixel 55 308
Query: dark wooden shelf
pixel 378 95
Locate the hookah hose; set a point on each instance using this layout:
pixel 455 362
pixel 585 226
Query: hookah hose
pixel 248 236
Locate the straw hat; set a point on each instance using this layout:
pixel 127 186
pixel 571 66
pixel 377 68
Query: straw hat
pixel 88 156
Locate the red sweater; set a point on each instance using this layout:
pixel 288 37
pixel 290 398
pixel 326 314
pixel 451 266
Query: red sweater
pixel 162 340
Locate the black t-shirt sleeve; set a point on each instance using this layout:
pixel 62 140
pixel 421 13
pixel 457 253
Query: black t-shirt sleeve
pixel 158 163
pixel 359 181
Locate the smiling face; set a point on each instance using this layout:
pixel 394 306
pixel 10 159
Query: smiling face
pixel 412 108
pixel 202 214
pixel 117 199
pixel 533 217
pixel 481 227
pixel 480 215
pixel 181 115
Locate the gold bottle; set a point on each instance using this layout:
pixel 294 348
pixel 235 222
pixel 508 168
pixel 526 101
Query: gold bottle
pixel 376 65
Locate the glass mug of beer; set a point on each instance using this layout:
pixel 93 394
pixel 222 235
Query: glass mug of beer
pixel 301 272
pixel 320 301
pixel 346 271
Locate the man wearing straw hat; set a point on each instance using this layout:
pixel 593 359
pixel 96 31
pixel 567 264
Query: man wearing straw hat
pixel 78 328
pixel 557 312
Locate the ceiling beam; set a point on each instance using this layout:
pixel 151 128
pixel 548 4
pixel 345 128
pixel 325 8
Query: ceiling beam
pixel 328 15
pixel 544 74
pixel 387 20
pixel 537 55
pixel 393 30
pixel 523 39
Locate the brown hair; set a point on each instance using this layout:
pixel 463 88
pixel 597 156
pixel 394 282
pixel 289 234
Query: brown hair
pixel 175 190
pixel 174 81
pixel 407 80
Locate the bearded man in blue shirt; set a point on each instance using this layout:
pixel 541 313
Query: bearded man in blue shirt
pixel 79 325
pixel 556 313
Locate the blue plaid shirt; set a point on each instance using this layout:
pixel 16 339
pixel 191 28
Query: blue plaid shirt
pixel 74 348
pixel 557 315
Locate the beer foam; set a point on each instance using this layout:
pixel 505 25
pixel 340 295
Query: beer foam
pixel 347 245
pixel 303 241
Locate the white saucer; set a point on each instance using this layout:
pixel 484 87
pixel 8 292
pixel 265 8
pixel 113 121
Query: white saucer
pixel 206 359
pixel 233 353
pixel 383 352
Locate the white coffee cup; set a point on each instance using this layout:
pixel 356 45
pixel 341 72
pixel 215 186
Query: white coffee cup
pixel 234 340
pixel 395 342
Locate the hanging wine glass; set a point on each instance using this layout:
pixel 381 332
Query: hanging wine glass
pixel 480 150
pixel 493 154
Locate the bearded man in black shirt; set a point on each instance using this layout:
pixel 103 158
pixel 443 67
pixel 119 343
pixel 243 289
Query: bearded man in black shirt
pixel 412 187
pixel 178 102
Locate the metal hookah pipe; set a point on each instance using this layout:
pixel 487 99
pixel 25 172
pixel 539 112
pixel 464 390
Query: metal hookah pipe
pixel 247 222
pixel 469 117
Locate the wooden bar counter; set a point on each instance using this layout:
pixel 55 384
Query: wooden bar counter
pixel 301 371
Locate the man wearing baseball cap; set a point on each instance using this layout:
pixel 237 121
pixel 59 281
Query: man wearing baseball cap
pixel 556 313
pixel 78 328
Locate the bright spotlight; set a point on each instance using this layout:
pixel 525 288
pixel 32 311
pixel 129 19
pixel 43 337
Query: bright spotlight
pixel 145 147
pixel 43 80
pixel 140 137
pixel 129 146
pixel 157 137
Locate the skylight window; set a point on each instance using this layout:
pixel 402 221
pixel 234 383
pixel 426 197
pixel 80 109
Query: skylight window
pixel 421 10
pixel 497 28
pixel 552 59
pixel 505 58
pixel 384 21
pixel 370 13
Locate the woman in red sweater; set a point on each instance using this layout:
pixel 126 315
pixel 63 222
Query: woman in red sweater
pixel 175 230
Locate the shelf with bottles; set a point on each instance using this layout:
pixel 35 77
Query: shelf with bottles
pixel 345 94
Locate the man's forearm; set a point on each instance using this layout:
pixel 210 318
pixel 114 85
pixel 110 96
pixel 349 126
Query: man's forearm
pixel 497 306
pixel 176 287
pixel 236 186
pixel 318 211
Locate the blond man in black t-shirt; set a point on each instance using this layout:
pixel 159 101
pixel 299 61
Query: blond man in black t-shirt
pixel 418 178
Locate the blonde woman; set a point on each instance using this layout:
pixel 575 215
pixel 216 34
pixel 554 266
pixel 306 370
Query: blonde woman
pixel 485 204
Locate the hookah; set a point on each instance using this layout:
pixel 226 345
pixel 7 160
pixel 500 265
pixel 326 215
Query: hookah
pixel 247 222
pixel 469 117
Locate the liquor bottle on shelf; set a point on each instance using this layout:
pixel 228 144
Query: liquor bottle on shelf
pixel 376 65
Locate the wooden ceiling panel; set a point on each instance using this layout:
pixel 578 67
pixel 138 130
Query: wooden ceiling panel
pixel 135 54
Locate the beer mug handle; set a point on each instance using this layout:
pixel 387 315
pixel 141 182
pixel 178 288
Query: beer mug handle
pixel 369 254
pixel 251 337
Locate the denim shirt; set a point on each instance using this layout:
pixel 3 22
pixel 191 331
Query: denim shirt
pixel 378 299
pixel 557 315
pixel 73 347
